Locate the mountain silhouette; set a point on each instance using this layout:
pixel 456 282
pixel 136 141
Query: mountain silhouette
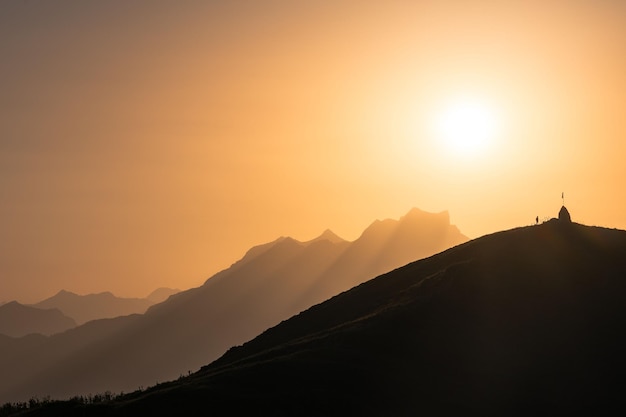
pixel 161 294
pixel 17 320
pixel 328 235
pixel 270 283
pixel 523 322
pixel 84 308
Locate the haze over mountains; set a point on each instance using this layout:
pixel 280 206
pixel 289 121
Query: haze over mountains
pixel 17 320
pixel 270 283
pixel 66 310
pixel 524 322
pixel 84 308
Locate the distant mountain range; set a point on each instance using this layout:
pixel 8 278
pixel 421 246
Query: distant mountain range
pixel 66 310
pixel 524 322
pixel 84 308
pixel 17 320
pixel 270 283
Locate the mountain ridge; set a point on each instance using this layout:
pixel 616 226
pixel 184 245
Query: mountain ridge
pixel 95 306
pixel 524 321
pixel 269 284
pixel 18 320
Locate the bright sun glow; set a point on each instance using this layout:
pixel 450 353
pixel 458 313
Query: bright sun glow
pixel 467 126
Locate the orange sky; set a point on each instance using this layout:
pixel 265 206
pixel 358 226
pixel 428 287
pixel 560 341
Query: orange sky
pixel 150 143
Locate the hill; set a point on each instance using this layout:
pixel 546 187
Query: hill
pixel 84 308
pixel 17 320
pixel 270 283
pixel 524 322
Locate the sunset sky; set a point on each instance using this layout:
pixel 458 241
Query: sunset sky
pixel 150 143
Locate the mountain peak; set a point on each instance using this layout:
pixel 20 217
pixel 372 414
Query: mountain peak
pixel 416 213
pixel 161 294
pixel 12 304
pixel 17 320
pixel 327 235
pixel 412 222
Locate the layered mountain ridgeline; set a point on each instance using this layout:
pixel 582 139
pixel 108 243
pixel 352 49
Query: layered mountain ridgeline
pixel 524 322
pixel 66 310
pixel 270 283
pixel 161 294
pixel 84 308
pixel 17 320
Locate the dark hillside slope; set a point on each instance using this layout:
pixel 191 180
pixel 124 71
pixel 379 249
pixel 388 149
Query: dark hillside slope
pixel 524 322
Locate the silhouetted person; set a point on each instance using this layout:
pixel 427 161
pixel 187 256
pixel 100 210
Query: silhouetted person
pixel 537 220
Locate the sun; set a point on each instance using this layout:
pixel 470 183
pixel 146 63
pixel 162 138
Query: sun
pixel 466 125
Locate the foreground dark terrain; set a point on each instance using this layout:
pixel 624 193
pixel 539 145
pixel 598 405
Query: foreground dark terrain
pixel 523 322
